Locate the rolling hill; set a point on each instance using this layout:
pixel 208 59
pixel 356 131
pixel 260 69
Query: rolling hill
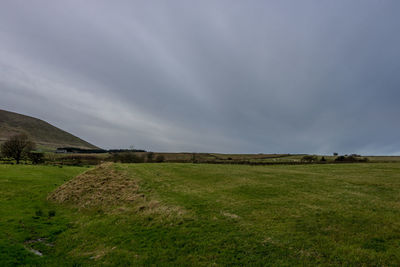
pixel 44 134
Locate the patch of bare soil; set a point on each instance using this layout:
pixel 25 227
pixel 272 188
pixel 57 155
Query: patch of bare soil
pixel 100 187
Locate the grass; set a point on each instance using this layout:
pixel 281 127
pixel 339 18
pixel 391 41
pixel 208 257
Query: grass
pixel 200 214
pixel 44 134
pixel 82 159
pixel 25 215
pixel 222 158
pixel 93 159
pixel 330 214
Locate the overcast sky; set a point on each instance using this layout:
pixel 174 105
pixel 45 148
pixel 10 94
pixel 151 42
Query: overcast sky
pixel 208 76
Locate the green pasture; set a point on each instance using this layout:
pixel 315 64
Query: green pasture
pixel 202 215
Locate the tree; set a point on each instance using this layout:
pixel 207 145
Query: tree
pixel 17 147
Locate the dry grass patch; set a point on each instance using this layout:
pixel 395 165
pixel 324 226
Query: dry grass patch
pixel 113 191
pixel 100 187
pixel 230 215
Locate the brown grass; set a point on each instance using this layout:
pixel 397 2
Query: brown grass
pixel 115 192
pixel 99 187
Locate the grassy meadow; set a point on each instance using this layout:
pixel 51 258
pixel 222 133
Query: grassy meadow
pixel 201 214
pixel 26 215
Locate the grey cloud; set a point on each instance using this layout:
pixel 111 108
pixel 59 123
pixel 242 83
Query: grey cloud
pixel 220 76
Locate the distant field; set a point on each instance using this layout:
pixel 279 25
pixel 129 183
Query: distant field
pixel 90 159
pixel 384 158
pixel 253 158
pixel 202 214
pixel 87 159
pixel 225 158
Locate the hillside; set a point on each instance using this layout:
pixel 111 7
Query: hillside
pixel 44 134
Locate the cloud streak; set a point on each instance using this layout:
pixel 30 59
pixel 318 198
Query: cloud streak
pixel 217 76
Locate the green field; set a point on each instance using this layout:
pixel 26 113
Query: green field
pixel 24 211
pixel 200 214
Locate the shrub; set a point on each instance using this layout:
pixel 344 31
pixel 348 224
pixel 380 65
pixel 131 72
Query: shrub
pixel 127 157
pixel 36 157
pixel 77 159
pixel 309 158
pixel 350 158
pixel 160 158
pixel 340 158
pixel 150 157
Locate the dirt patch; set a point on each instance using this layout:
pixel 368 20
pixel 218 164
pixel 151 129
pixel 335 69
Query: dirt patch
pixel 230 215
pixel 101 187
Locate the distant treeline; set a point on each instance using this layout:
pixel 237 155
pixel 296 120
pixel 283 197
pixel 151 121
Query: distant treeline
pixel 94 151
pixel 125 150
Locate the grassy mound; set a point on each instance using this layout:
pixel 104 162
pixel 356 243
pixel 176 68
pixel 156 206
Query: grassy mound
pixel 113 191
pixel 100 187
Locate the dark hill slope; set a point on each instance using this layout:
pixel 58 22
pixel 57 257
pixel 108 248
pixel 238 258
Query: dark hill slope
pixel 44 134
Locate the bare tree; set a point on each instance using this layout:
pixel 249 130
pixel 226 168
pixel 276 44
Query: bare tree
pixel 17 147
